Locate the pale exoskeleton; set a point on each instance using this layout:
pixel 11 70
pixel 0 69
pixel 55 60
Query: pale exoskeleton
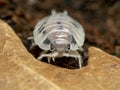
pixel 60 34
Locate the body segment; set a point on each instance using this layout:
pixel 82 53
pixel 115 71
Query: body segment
pixel 60 34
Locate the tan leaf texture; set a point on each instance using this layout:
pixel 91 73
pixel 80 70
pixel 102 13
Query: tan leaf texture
pixel 19 70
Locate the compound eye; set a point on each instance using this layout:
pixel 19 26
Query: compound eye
pixel 52 48
pixel 68 47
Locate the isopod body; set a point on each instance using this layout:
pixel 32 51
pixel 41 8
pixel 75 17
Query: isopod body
pixel 59 33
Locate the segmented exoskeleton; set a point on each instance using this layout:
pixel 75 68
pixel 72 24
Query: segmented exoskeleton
pixel 60 34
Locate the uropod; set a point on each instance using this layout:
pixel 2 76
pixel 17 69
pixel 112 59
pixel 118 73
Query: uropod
pixel 61 35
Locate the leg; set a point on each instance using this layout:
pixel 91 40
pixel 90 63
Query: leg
pixel 75 55
pixel 44 55
pixel 31 39
pixel 81 49
pixel 49 56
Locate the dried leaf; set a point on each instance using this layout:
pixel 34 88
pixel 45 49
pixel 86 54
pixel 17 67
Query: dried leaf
pixel 19 70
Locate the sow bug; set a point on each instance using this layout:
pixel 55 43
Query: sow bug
pixel 61 35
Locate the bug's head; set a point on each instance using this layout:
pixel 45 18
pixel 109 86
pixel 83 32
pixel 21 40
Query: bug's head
pixel 60 45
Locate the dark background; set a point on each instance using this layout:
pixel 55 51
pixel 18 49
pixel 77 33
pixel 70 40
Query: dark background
pixel 100 19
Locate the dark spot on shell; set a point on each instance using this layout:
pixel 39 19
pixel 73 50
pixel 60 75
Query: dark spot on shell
pixel 60 27
pixel 58 22
pixel 46 41
pixel 73 40
pixel 44 32
pixel 74 24
pixel 41 29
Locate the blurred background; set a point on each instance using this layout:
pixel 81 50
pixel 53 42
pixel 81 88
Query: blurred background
pixel 100 19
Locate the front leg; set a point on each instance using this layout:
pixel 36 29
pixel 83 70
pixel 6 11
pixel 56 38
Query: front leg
pixel 31 39
pixel 49 56
pixel 75 55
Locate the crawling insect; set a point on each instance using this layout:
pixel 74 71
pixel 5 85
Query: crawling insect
pixel 61 35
